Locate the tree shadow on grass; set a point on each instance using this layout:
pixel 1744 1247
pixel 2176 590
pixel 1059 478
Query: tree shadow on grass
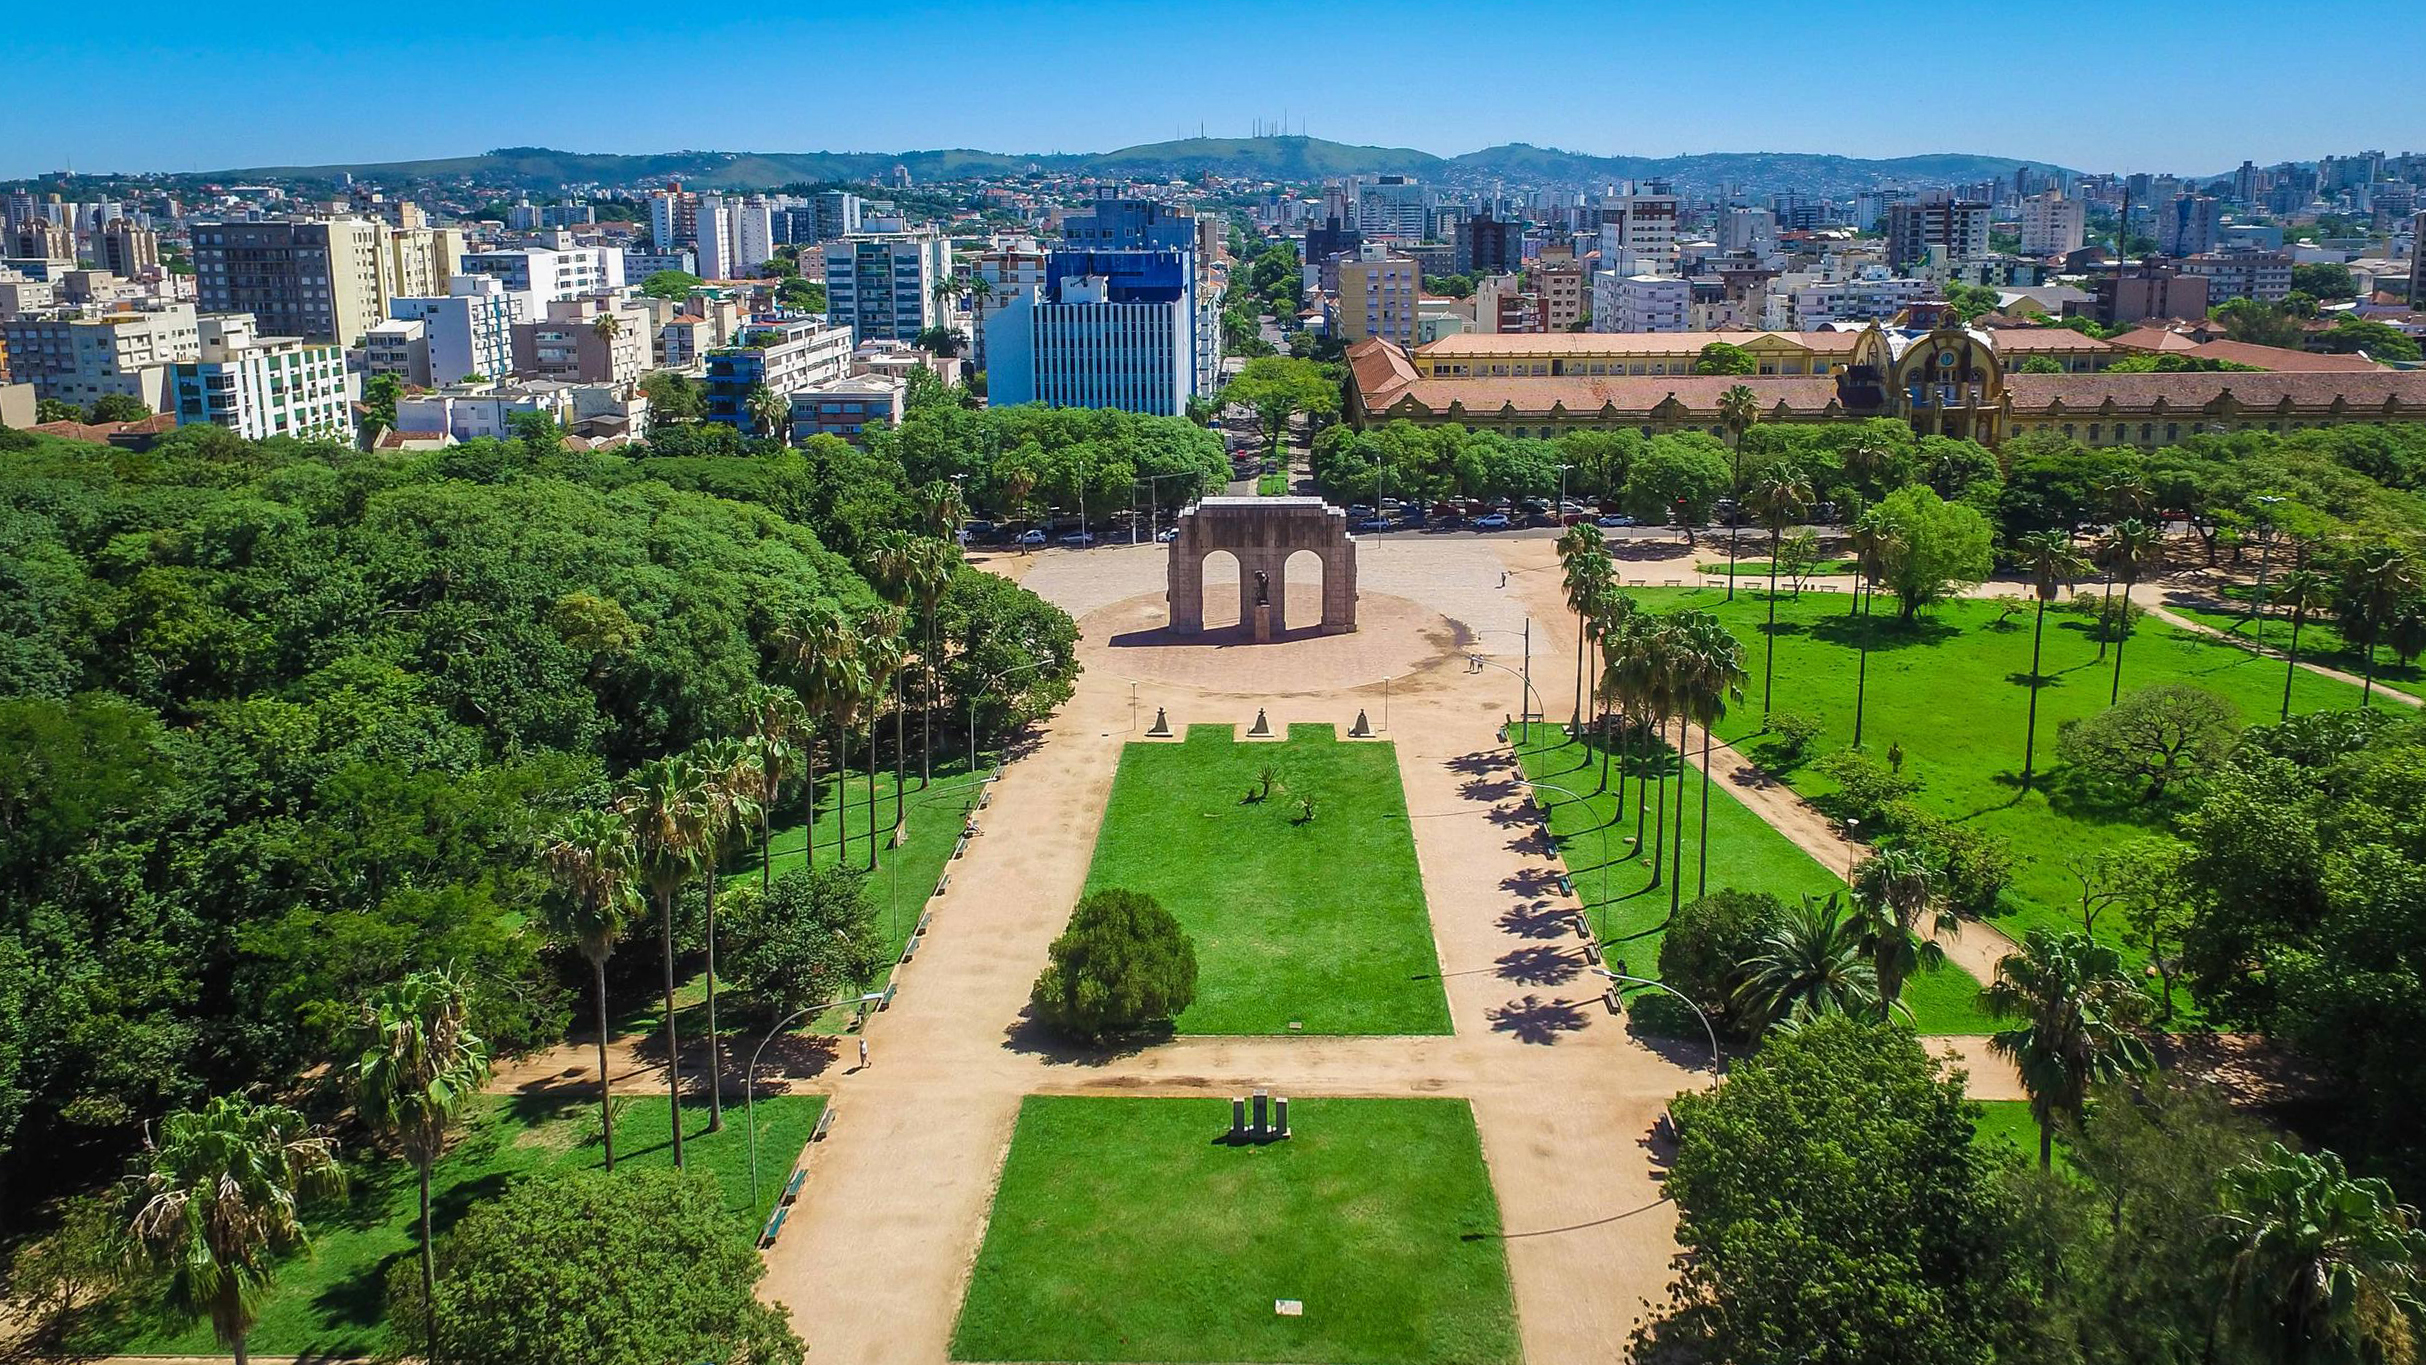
pixel 2076 795
pixel 1884 633
pixel 360 1299
pixel 1539 965
pixel 1538 1021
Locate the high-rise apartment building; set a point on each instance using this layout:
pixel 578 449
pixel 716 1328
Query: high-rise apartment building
pixel 469 330
pixel 317 280
pixel 673 218
pixel 76 360
pixel 882 285
pixel 1483 245
pixel 2188 225
pixel 125 250
pixel 1559 280
pixel 2052 224
pixel 1377 293
pixel 423 261
pixel 564 270
pixel 1394 206
pixel 1753 230
pixel 1107 329
pixel 1936 219
pixel 1638 232
pixel 2417 262
pixel 263 386
pixel 782 356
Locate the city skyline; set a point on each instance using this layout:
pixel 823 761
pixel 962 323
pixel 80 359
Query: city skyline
pixel 1753 89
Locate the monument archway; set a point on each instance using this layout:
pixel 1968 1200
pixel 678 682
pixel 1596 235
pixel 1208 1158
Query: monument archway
pixel 1262 533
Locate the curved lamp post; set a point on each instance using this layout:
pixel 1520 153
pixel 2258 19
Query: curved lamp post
pixel 1718 1059
pixel 749 1090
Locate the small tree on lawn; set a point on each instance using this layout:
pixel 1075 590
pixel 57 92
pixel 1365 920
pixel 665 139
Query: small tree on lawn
pixel 1123 964
pixel 810 938
pixel 2154 736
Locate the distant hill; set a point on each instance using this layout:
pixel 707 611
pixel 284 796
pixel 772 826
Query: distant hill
pixel 1297 159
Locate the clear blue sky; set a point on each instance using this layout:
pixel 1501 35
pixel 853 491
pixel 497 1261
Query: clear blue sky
pixel 2130 84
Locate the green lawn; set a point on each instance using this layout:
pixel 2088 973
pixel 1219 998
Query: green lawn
pixel 1273 485
pixel 1125 1230
pixel 2320 643
pixel 1758 567
pixel 1631 914
pixel 1319 922
pixel 2007 1121
pixel 330 1301
pixel 1951 690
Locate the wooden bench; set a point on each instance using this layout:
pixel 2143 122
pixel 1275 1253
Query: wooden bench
pixel 774 1225
pixel 791 1189
pixel 910 949
pixel 825 1121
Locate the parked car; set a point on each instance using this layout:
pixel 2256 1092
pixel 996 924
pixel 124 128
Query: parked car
pixel 1167 534
pixel 1079 540
pixel 1494 521
pixel 978 530
pixel 1614 521
pixel 1036 537
pixel 1373 524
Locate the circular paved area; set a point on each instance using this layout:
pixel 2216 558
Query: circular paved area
pixel 1394 637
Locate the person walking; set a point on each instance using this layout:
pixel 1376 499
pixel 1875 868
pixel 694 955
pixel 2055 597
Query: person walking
pixel 863 1052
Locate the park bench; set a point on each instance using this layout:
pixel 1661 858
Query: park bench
pixel 791 1189
pixel 774 1225
pixel 824 1121
pixel 910 949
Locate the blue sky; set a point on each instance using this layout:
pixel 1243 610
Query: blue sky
pixel 2131 84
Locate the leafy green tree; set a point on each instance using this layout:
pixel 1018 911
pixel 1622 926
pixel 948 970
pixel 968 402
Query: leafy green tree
pixel 809 939
pixel 2319 1266
pixel 117 407
pixel 379 395
pixel 1832 1207
pixel 1943 547
pixel 633 1269
pixel 1812 965
pixel 2324 280
pixel 1708 942
pixel 56 410
pixel 1278 388
pixel 212 1204
pixel 2076 1012
pixel 2152 737
pixel 1123 964
pixel 673 398
pixel 1893 893
pixel 2380 340
pixel 1725 358
pixel 416 1065
pixel 2374 588
pixel 673 285
pixel 1676 474
pixel 596 868
pixel 2039 364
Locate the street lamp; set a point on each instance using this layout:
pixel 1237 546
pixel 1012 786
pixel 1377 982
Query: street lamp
pixel 1014 671
pixel 749 1078
pixel 1527 675
pixel 1562 489
pixel 1480 662
pixel 2265 528
pixel 1602 928
pixel 1718 1059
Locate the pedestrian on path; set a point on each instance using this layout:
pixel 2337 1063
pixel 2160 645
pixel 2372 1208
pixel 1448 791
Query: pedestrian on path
pixel 863 1052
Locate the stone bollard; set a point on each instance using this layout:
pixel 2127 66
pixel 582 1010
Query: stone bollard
pixel 1238 1118
pixel 1280 1116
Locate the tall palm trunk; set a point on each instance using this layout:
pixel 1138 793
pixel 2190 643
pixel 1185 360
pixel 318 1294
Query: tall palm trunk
pixel 1642 780
pixel 901 753
pixel 715 1039
pixel 2030 733
pixel 2046 1145
pixel 2122 638
pixel 2367 689
pixel 926 721
pixel 1701 873
pixel 808 823
pixel 1604 768
pixel 1676 860
pixel 1582 633
pixel 429 1261
pixel 2292 665
pixel 2105 613
pixel 1769 656
pixel 1659 797
pixel 1861 674
pixel 872 794
pixel 842 791
pixel 673 1038
pixel 606 1108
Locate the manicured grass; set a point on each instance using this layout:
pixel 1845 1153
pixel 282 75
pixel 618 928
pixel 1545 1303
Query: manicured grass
pixel 2009 1122
pixel 2321 643
pixel 1759 568
pixel 1951 689
pixel 331 1300
pixel 1273 485
pixel 1320 922
pixel 1746 853
pixel 1125 1230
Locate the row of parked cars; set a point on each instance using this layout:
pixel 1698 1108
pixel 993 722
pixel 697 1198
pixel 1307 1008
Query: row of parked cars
pixel 1481 516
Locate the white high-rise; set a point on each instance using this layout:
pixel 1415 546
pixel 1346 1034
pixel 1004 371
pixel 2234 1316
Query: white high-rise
pixel 2052 224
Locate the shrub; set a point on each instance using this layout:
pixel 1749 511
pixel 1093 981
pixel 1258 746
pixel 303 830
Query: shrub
pixel 1707 940
pixel 2152 737
pixel 1122 965
pixel 2108 615
pixel 1793 732
pixel 1971 868
pixel 1865 786
pixel 811 938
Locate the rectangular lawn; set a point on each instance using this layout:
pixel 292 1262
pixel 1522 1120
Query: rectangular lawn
pixel 331 1301
pixel 1746 854
pixel 1124 1230
pixel 1319 921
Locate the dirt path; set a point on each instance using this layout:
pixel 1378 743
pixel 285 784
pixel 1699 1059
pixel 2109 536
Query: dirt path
pixel 2152 597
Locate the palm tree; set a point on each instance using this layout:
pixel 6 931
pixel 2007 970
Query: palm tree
pixel 1624 675
pixel 606 327
pixel 2076 1010
pixel 2381 582
pixel 2318 1266
pixel 1864 458
pixel 1810 965
pixel 777 725
pixel 2122 498
pixel 880 658
pixel 1714 669
pixel 1782 499
pixel 213 1204
pixel 1607 609
pixel 931 573
pixel 592 859
pixel 668 812
pixel 941 507
pixel 2052 564
pixel 1584 554
pixel 768 412
pixel 2302 590
pixel 417 1063
pixel 1658 684
pixel 2133 549
pixel 1738 409
pixel 729 785
pixel 1891 892
pixel 1877 542
pixel 816 647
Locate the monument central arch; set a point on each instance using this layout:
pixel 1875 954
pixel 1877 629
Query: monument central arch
pixel 1262 533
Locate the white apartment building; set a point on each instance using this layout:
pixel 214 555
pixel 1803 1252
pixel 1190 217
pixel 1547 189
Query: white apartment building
pixel 1753 230
pixel 1875 298
pixel 1641 303
pixel 1394 206
pixel 1638 233
pixel 470 330
pixel 76 360
pixel 1002 274
pixel 398 348
pixel 2052 224
pixel 881 285
pixel 561 271
pixel 259 387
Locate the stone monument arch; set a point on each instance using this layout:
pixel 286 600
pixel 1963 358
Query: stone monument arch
pixel 1262 533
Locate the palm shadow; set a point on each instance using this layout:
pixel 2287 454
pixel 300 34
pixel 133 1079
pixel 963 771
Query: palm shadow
pixel 1537 920
pixel 1538 1021
pixel 1539 965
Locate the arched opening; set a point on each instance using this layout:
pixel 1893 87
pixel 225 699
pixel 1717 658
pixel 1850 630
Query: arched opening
pixel 1221 590
pixel 1302 573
